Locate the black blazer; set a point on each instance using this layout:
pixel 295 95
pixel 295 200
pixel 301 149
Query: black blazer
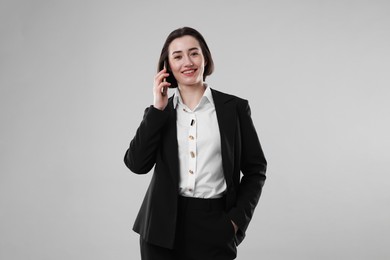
pixel 155 144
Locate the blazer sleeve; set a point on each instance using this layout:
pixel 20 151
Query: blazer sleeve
pixel 253 166
pixel 140 157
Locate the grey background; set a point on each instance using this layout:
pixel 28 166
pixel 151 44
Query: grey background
pixel 75 77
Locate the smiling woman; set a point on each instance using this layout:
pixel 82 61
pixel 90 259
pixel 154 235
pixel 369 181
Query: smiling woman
pixel 200 42
pixel 187 64
pixel 199 142
pixel 186 61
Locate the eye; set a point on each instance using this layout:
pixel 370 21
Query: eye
pixel 178 57
pixel 194 54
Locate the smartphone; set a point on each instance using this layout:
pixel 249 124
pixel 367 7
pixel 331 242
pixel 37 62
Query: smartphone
pixel 166 66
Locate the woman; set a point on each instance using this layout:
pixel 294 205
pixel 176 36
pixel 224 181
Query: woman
pixel 199 141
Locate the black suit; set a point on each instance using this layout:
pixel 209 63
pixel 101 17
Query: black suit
pixel 155 144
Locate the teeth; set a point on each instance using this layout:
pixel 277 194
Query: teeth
pixel 188 71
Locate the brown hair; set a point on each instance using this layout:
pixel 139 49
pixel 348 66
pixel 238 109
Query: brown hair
pixel 209 68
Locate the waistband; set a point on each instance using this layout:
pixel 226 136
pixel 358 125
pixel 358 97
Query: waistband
pixel 201 204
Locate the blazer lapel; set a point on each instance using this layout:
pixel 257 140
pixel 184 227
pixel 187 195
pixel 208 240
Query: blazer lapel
pixel 171 143
pixel 227 120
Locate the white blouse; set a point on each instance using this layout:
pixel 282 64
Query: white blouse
pixel 199 141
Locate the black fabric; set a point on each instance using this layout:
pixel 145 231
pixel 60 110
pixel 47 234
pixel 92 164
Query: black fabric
pixel 153 252
pixel 204 232
pixel 155 145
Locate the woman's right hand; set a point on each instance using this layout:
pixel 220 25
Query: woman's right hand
pixel 160 90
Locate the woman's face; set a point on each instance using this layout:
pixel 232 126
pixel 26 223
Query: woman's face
pixel 186 61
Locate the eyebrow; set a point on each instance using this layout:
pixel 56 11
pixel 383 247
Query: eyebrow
pixel 191 49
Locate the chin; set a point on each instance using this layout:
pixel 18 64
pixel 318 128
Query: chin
pixel 191 82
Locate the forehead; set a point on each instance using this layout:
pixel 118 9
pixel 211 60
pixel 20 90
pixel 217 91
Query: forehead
pixel 183 43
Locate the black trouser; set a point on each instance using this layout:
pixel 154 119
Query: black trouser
pixel 203 232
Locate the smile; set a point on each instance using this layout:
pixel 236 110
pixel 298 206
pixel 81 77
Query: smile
pixel 189 72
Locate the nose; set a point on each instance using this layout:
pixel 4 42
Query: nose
pixel 188 61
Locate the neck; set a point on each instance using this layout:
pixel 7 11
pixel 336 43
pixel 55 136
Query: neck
pixel 191 95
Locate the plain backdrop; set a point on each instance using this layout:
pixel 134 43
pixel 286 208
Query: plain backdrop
pixel 76 76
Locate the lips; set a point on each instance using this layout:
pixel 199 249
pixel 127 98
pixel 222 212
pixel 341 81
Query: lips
pixel 188 72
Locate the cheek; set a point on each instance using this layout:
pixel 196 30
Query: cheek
pixel 175 67
pixel 175 70
pixel 203 70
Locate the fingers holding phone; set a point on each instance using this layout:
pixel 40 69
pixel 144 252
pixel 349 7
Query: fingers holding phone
pixel 160 89
pixel 165 88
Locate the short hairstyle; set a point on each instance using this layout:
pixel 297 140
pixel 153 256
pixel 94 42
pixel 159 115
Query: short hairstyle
pixel 209 68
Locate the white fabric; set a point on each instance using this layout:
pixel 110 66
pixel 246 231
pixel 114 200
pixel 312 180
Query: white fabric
pixel 200 160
